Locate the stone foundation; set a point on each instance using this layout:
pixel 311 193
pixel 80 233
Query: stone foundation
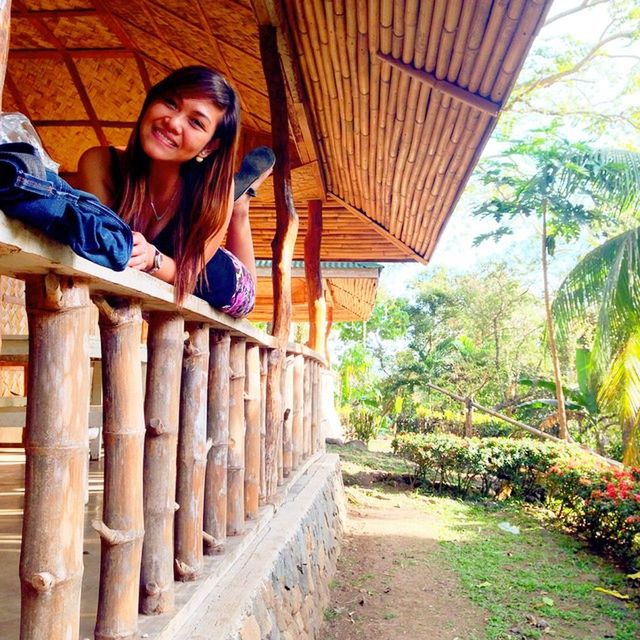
pixel 278 589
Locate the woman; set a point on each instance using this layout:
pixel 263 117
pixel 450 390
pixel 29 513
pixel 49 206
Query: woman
pixel 174 186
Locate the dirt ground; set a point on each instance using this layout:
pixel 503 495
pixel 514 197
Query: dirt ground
pixel 389 584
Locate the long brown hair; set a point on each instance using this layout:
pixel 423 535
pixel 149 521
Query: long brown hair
pixel 205 185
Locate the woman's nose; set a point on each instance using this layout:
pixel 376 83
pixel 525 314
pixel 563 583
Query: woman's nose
pixel 174 122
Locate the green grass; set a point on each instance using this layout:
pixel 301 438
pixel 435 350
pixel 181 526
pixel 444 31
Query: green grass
pixel 538 577
pixel 539 574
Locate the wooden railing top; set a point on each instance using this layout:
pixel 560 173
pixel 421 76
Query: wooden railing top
pixel 25 251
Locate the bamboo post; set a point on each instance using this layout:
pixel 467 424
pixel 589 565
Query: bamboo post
pixel 307 407
pixel 273 420
pixel 263 424
pixel 287 427
pixel 313 275
pixel 298 410
pixel 252 436
pixel 122 526
pixel 282 245
pixel 215 493
pixel 165 344
pixel 5 21
pixel 56 457
pixel 192 453
pixel 236 461
pixel 315 406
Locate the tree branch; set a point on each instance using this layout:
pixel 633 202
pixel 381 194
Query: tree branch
pixel 586 4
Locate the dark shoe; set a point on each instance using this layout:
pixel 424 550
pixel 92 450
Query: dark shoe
pixel 257 162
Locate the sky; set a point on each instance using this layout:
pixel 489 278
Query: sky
pixel 455 250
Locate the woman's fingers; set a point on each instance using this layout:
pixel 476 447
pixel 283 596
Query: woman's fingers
pixel 139 252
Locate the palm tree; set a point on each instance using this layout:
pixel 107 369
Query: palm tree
pixel 567 186
pixel 607 280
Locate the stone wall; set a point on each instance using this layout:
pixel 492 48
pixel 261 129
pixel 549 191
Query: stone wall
pixel 280 590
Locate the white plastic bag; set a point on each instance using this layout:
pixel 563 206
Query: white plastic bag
pixel 15 127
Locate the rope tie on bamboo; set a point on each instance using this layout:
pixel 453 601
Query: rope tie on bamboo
pixel 115 537
pixel 236 376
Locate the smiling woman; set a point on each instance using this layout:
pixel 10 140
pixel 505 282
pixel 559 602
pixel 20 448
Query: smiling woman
pixel 173 185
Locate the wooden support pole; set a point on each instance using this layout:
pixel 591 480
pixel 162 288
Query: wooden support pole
pixel 307 409
pixel 56 457
pixel 287 427
pixel 252 404
pixel 165 344
pixel 298 410
pixel 315 406
pixel 236 461
pixel 192 453
pixel 122 526
pixel 282 247
pixel 263 424
pixel 5 22
pixel 327 354
pixel 215 493
pixel 313 275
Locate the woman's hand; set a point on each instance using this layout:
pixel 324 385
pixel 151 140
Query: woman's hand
pixel 142 253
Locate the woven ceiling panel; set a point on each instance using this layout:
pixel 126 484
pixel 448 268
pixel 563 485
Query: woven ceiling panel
pixel 24 35
pixel 66 144
pixel 52 94
pixel 113 86
pixel 82 32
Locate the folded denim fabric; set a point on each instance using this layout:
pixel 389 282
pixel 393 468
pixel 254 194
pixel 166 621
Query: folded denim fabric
pixel 41 198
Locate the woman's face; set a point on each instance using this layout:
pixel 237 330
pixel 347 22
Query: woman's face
pixel 177 129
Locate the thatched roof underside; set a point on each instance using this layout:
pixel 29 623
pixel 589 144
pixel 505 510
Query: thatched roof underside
pixel 389 152
pixel 350 291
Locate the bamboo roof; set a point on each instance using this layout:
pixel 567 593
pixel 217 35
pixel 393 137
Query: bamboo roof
pixel 350 290
pixel 391 100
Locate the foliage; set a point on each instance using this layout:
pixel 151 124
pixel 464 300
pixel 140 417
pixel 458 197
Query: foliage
pixel 425 420
pixel 488 465
pixel 601 505
pixel 607 280
pixel 563 77
pixel 362 423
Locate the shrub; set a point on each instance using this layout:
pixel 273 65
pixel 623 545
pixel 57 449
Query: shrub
pixel 363 423
pixel 601 505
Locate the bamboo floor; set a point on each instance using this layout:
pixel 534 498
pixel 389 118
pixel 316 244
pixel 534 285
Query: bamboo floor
pixel 11 504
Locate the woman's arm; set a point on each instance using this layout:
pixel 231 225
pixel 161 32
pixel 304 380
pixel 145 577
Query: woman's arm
pixel 95 175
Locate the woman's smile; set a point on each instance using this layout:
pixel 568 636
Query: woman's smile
pixel 177 129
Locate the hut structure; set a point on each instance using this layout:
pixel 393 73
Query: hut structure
pixel 378 111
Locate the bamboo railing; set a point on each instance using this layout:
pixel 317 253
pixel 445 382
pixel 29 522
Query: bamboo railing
pixel 186 463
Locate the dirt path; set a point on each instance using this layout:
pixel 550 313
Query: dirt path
pixel 389 583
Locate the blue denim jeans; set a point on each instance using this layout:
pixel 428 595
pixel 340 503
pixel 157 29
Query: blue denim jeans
pixel 41 198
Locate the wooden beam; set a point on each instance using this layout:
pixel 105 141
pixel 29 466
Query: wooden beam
pixel 315 289
pixel 5 20
pixel 387 235
pixel 283 245
pixel 453 90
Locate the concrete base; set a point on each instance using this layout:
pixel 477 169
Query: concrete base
pixel 279 588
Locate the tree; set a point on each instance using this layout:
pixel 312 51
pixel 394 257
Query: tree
pixel 567 186
pixel 607 280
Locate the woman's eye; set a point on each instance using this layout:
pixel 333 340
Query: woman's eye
pixel 197 123
pixel 170 102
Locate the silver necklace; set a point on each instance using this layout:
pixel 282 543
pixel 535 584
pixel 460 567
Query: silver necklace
pixel 155 211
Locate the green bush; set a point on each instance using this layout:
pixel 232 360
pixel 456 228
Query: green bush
pixel 362 423
pixel 601 505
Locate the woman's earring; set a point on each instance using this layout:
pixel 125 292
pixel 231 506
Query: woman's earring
pixel 199 159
